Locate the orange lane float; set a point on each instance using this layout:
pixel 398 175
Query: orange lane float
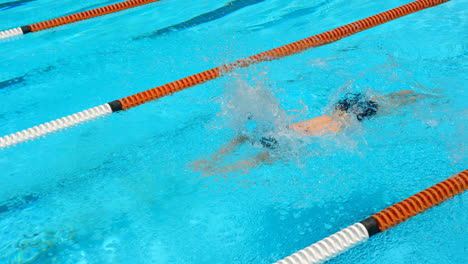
pixel 199 78
pixel 283 51
pixel 56 22
pixel 359 232
pixel 422 201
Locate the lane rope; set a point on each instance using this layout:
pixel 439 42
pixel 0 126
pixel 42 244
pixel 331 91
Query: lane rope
pixel 358 233
pixel 273 54
pixel 55 125
pixel 56 22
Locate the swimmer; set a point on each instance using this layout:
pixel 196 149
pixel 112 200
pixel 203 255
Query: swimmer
pixel 351 106
pixel 354 105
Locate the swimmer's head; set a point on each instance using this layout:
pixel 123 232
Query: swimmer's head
pixel 358 105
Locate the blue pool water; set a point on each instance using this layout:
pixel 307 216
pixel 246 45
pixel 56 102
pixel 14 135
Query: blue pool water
pixel 127 188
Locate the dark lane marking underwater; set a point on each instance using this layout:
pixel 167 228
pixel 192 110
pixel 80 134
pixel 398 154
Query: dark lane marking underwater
pixel 229 8
pixel 289 16
pixel 13 4
pixel 22 79
pixel 18 203
pixel 13 81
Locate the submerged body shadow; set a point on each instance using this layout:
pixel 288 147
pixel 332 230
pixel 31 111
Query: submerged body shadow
pixel 204 18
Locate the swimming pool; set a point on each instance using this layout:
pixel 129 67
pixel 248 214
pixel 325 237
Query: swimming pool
pixel 123 188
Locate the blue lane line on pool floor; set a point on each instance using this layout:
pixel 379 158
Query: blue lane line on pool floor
pixel 218 13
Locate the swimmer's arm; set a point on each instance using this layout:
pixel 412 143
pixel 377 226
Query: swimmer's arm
pixel 258 159
pixel 247 164
pixel 233 144
pixel 244 165
pixel 221 153
pixel 401 98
